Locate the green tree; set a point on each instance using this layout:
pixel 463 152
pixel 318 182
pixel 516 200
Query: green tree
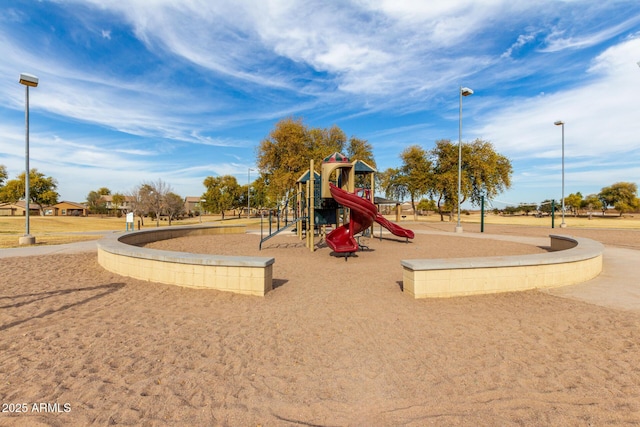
pixel 259 194
pixel 415 174
pixel 573 202
pixel 360 149
pixel 527 208
pixel 484 172
pixel 117 200
pixel 322 143
pixel 285 153
pixel 392 184
pixel 547 205
pixel 96 203
pixel 591 202
pixel 427 205
pixel 42 190
pixel 283 156
pixel 511 210
pixel 623 196
pixel 174 206
pixel 3 175
pixel 243 192
pixel 444 159
pixel 222 193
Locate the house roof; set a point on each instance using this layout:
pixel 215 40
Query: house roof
pixel 383 201
pixel 19 204
pixel 74 204
pixel 109 198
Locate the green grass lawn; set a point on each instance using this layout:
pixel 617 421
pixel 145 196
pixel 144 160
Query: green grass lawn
pixel 53 230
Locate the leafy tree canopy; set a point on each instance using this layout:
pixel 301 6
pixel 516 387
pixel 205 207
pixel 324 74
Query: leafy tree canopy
pixel 96 203
pixel 391 182
pixel 285 153
pixel 573 202
pixel 623 196
pixel 591 202
pixel 3 174
pixel 415 175
pixel 222 193
pixel 42 189
pixel 174 206
pixel 484 172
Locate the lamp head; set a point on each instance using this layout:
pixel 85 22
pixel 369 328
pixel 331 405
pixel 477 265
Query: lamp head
pixel 558 123
pixel 465 91
pixel 28 80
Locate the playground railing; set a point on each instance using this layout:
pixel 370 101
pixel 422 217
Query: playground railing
pixel 299 208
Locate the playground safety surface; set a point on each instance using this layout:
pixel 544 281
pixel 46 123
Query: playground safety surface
pixel 335 343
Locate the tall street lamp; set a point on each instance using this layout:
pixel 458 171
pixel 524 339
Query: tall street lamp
pixel 249 191
pixel 561 123
pixel 27 80
pixel 464 91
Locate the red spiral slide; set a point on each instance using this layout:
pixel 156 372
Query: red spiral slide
pixel 363 214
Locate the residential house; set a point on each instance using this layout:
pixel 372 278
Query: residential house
pixel 18 209
pixel 66 208
pixel 126 206
pixel 192 205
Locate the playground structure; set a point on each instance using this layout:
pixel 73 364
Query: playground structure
pixel 571 260
pixel 342 195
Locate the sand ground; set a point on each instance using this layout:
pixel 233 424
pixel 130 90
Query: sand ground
pixel 335 343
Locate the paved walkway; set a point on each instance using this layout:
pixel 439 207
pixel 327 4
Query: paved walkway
pixel 67 248
pixel 618 286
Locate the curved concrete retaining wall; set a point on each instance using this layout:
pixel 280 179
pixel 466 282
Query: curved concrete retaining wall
pixel 239 274
pixel 578 261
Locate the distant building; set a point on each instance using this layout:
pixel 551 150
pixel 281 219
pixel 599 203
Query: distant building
pixel 126 206
pixel 66 208
pixel 18 209
pixel 192 205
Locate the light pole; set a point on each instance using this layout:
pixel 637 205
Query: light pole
pixel 561 123
pixel 249 191
pixel 27 80
pixel 464 91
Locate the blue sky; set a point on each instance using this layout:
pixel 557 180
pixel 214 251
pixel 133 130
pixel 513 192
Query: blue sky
pixel 178 90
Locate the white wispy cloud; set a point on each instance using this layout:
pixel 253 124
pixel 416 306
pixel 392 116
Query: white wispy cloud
pixel 559 39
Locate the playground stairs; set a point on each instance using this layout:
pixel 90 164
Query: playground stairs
pixel 279 230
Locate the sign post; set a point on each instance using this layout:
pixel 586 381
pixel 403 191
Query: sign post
pixel 130 220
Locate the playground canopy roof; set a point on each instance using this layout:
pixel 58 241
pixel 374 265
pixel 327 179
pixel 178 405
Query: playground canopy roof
pixel 361 167
pixel 305 176
pixel 383 201
pixel 336 158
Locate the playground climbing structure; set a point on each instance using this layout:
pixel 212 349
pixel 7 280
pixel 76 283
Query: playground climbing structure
pixel 341 197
